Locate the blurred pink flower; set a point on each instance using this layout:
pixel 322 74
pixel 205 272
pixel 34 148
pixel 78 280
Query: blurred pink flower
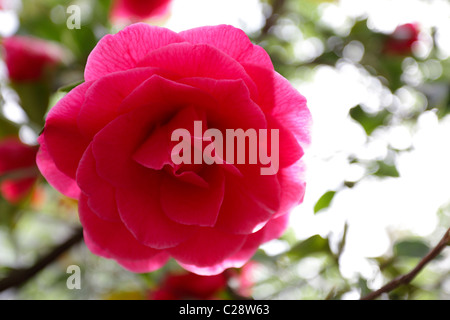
pixel 28 58
pixel 189 286
pixel 139 10
pixel 401 41
pixel 14 156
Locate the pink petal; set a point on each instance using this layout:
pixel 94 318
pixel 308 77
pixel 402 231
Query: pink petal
pixel 199 60
pixel 189 204
pixel 156 151
pixel 111 239
pixel 273 230
pixel 100 194
pixel 53 175
pixel 292 181
pixel 236 260
pixel 146 265
pixel 156 100
pixel 230 40
pixel 163 97
pixel 280 99
pixel 124 50
pixel 113 150
pixel 65 143
pixel 290 150
pixel 232 97
pixel 140 210
pixel 241 213
pixel 207 248
pixel 105 96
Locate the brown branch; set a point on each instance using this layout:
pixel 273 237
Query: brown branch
pixel 277 6
pixel 18 277
pixel 407 278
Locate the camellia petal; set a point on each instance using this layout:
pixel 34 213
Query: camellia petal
pixel 124 50
pixel 211 247
pixel 146 265
pixel 101 195
pixel 201 60
pixel 59 180
pixel 141 212
pixel 61 126
pixel 194 205
pixel 105 96
pixel 111 239
pixel 232 41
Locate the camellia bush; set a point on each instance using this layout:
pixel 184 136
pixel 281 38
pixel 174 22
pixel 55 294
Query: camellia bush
pixel 269 155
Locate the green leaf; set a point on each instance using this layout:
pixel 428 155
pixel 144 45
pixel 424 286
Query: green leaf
pixel 362 284
pixel 414 248
pixel 324 201
pixel 8 128
pixel 34 99
pixel 312 245
pixel 368 121
pixel 70 86
pixel 386 170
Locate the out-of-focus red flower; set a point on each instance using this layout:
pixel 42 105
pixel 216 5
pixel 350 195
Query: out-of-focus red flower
pixel 16 157
pixel 242 279
pixel 190 286
pixel 139 10
pixel 246 279
pixel 400 42
pixel 28 58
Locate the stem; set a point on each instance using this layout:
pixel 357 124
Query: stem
pixel 407 278
pixel 18 174
pixel 18 277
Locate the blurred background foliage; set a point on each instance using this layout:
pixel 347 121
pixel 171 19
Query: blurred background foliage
pixel 407 71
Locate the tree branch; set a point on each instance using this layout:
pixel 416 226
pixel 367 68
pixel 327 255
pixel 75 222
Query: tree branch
pixel 271 20
pixel 407 278
pixel 18 277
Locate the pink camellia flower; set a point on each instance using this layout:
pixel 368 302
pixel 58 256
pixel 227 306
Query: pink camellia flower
pixel 401 41
pixel 28 58
pixel 108 144
pixel 139 10
pixel 18 161
pixel 189 286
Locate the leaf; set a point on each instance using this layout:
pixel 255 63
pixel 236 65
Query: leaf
pixel 386 170
pixel 70 86
pixel 414 248
pixel 34 99
pixel 368 121
pixel 312 245
pixel 324 201
pixel 8 128
pixel 362 284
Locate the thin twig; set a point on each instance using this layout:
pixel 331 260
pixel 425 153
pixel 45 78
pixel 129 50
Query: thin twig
pixel 19 277
pixel 407 278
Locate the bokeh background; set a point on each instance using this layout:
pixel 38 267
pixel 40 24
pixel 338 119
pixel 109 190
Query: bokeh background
pixel 376 74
